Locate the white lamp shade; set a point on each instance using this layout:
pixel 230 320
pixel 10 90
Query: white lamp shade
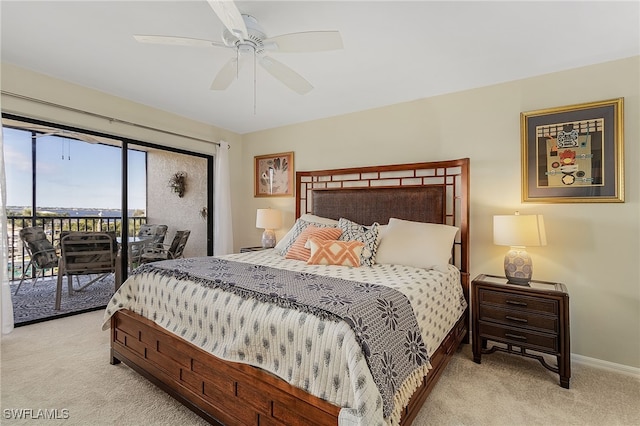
pixel 268 219
pixel 519 230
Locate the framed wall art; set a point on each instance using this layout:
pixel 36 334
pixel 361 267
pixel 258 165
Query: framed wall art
pixel 573 154
pixel 274 175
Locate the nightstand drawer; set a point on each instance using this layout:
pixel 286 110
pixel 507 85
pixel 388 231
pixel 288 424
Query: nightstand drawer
pixel 519 318
pixel 518 301
pixel 530 339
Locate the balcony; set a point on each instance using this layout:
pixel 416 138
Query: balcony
pixel 78 170
pixel 18 258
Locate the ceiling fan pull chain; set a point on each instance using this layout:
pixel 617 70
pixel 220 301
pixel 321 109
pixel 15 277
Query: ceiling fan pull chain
pixel 237 63
pixel 68 148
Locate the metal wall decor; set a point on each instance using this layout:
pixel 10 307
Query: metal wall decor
pixel 573 154
pixel 178 183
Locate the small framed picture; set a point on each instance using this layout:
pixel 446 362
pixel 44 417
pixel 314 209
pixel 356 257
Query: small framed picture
pixel 573 154
pixel 274 175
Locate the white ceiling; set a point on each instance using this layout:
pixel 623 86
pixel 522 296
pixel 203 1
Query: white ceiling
pixel 394 51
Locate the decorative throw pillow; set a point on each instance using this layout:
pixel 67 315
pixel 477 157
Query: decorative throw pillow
pixel 303 221
pixel 299 251
pixel 368 235
pixel 333 252
pixel 417 244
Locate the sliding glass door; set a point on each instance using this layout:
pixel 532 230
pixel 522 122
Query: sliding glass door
pixel 70 179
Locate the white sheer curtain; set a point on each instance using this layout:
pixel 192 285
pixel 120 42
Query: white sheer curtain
pixel 223 226
pixel 6 306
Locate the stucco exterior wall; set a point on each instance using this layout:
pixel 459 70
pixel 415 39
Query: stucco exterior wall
pixel 166 208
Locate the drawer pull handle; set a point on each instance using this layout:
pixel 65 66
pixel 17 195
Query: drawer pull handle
pixel 515 302
pixel 522 320
pixel 515 336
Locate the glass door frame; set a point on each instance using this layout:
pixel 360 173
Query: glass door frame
pixel 124 178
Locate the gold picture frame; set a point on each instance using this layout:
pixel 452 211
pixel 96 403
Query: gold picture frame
pixel 273 175
pixel 573 154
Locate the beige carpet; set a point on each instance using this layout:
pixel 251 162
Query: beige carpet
pixel 41 370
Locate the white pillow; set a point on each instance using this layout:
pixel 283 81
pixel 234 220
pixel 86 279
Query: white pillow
pixel 290 237
pixel 417 244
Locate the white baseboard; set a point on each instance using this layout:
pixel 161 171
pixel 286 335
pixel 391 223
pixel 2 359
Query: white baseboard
pixel 606 365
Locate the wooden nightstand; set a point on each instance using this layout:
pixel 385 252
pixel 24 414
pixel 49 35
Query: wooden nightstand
pixel 532 318
pixel 248 249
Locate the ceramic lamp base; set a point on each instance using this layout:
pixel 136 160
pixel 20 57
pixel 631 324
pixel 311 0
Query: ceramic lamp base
pixel 518 267
pixel 268 238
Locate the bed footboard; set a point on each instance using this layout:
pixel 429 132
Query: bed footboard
pixel 217 390
pixel 233 393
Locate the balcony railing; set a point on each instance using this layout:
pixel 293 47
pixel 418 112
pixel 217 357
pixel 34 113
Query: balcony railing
pixel 53 226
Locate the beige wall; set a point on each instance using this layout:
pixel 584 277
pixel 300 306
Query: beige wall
pixel 165 207
pixel 592 248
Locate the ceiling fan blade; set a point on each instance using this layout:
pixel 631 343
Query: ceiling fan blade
pixel 177 41
pixel 310 41
pixel 227 74
pixel 230 17
pixel 286 75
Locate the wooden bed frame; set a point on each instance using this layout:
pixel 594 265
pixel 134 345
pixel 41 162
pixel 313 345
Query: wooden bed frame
pixel 231 393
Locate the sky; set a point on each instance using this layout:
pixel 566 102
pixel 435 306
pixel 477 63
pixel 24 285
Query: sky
pixel 70 173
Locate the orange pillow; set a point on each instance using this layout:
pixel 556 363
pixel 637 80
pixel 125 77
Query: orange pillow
pixel 300 252
pixel 327 252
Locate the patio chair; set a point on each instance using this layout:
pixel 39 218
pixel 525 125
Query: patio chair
pixel 42 254
pixel 147 234
pixel 154 253
pixel 86 253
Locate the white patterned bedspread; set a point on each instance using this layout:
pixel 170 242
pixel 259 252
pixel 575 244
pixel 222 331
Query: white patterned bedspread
pixel 321 357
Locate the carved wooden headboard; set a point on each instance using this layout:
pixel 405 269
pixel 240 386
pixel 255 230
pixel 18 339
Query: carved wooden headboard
pixel 436 192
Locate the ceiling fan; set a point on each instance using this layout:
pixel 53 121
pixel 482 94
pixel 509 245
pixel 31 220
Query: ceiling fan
pixel 246 37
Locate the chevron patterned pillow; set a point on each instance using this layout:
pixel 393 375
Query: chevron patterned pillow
pixel 332 252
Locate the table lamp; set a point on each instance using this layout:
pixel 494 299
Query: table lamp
pixel 268 219
pixel 518 231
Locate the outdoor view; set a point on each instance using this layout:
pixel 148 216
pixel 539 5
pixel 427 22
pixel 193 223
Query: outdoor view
pixel 77 187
